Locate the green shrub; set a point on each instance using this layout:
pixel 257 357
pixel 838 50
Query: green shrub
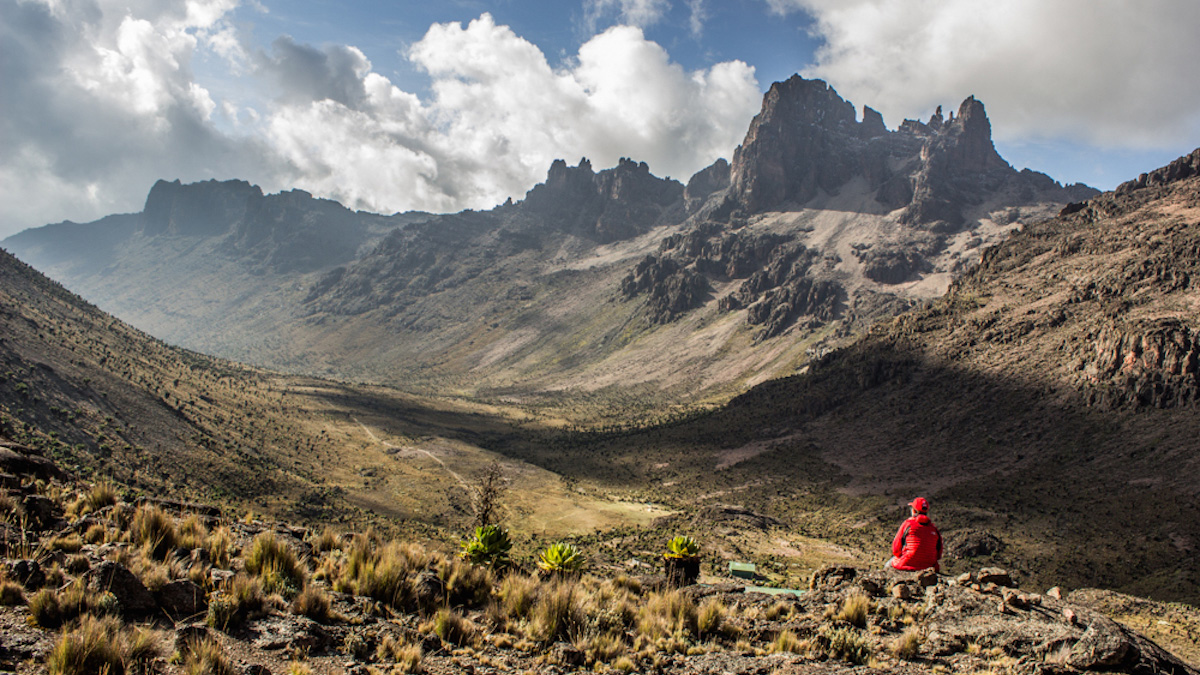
pixel 561 558
pixel 276 565
pixel 488 545
pixel 847 644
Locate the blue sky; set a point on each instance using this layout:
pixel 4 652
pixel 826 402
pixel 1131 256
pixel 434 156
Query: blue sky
pixel 440 106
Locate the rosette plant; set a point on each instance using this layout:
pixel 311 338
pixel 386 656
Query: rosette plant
pixel 488 545
pixel 560 559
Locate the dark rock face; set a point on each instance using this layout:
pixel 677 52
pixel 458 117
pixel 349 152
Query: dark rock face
pixel 615 204
pixel 132 597
pixel 806 141
pixel 1157 366
pixel 1182 168
pixel 285 232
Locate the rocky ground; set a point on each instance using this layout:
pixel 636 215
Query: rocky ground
pixel 96 580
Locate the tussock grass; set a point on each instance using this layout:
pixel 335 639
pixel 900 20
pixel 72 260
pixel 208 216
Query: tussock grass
pixel 101 646
pixel 517 595
pixel 276 565
pixel 854 610
pixel 454 628
pixel 11 593
pixel 710 617
pixel 313 603
pixel 205 657
pixel 668 614
pixel 241 599
pixel 787 641
pixel 405 655
pixel 556 612
pixel 908 645
pixel 154 528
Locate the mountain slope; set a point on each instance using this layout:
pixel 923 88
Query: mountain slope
pixel 1047 405
pixel 596 280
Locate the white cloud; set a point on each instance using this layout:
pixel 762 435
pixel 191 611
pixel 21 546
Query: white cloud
pixel 109 103
pixel 641 13
pixel 1108 72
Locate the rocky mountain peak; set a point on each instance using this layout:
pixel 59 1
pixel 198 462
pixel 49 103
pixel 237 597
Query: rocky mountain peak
pixel 614 204
pixel 1180 169
pixel 197 209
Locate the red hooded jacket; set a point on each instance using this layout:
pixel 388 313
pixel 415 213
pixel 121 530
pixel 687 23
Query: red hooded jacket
pixel 918 544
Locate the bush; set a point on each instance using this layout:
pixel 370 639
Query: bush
pixel 847 644
pixel 45 610
pixel 276 565
pixel 154 528
pixel 467 584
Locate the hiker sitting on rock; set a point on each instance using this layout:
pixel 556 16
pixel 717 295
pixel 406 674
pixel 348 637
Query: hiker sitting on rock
pixel 918 544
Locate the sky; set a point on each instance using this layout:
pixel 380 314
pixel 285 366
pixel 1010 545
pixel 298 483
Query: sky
pixel 397 105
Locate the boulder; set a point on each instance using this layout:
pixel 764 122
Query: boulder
pixel 133 598
pixel 181 598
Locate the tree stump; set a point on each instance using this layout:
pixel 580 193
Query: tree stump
pixel 682 571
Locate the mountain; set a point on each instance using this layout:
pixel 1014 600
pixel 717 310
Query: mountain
pixel 1046 405
pixel 595 282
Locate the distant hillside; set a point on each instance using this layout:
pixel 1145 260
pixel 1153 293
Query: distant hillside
pixel 1047 404
pixel 595 283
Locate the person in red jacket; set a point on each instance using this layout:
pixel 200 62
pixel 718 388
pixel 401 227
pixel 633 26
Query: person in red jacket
pixel 918 544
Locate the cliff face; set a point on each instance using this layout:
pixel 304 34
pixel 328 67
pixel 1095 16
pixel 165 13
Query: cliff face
pixel 615 204
pixel 806 141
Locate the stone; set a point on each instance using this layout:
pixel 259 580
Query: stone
pixel 965 578
pixel 28 572
pixel 902 591
pixel 133 598
pixel 1055 593
pixel 995 575
pixel 927 578
pixel 181 599
pixel 186 636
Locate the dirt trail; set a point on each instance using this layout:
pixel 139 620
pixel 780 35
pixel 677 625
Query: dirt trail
pixel 428 454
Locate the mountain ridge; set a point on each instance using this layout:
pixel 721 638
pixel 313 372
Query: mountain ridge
pixel 588 282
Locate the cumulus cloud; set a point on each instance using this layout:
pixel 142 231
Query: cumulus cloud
pixel 100 101
pixel 104 101
pixel 1107 72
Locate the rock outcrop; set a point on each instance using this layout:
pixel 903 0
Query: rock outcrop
pixel 806 141
pixel 615 204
